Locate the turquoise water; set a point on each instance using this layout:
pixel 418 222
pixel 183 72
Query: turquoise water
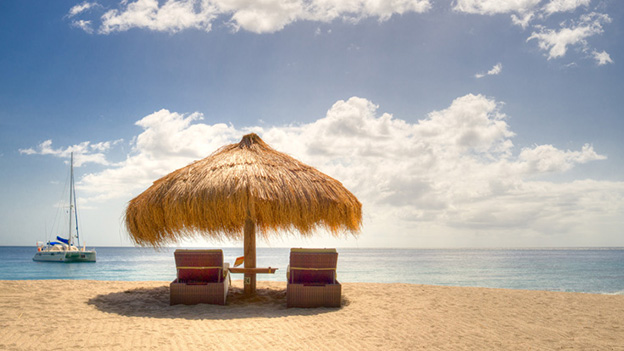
pixel 592 270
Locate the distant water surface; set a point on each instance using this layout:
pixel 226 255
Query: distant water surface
pixel 591 270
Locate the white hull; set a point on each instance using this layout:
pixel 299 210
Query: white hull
pixel 65 256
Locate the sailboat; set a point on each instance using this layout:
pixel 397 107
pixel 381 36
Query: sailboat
pixel 66 250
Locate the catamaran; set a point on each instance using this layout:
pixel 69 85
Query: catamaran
pixel 65 250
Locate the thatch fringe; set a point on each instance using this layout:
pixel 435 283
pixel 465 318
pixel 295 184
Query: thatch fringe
pixel 213 197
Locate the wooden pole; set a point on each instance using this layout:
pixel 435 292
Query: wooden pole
pixel 250 256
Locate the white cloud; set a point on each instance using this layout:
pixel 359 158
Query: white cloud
pixel 525 13
pixel 261 16
pixel 522 7
pixel 453 170
pixel 269 16
pixel 172 16
pixel 80 8
pixel 602 58
pixel 490 7
pixel 497 69
pixel 85 152
pixel 355 10
pixel 264 16
pixel 169 134
pixel 472 124
pixel 544 208
pixel 169 140
pixel 564 5
pixel 547 158
pixel 557 42
pixel 522 21
pixel 522 11
pixel 84 25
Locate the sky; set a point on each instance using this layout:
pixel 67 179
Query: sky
pixel 463 123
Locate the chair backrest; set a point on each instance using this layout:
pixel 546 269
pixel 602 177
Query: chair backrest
pixel 313 266
pixel 199 265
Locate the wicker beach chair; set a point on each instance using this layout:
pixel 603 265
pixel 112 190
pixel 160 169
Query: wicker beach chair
pixel 202 277
pixel 312 278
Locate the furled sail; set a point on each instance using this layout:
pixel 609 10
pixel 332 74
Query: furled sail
pixel 63 240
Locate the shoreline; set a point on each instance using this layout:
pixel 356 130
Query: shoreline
pixel 120 315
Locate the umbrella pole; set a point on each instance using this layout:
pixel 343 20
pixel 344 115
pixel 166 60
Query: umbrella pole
pixel 250 256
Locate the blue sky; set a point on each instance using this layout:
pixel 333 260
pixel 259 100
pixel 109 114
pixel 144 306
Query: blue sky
pixel 465 123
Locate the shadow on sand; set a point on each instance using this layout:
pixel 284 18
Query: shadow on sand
pixel 154 303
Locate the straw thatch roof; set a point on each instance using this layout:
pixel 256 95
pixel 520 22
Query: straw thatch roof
pixel 213 197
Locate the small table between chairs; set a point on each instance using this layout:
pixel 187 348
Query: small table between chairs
pixel 253 270
pixel 250 285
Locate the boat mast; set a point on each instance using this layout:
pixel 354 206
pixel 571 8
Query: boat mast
pixel 71 188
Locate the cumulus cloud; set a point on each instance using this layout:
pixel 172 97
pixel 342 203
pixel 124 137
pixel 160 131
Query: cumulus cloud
pixel 169 141
pixel 454 169
pixel 265 16
pixel 497 69
pixel 547 158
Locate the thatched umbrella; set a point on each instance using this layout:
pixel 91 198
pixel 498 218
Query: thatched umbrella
pixel 237 190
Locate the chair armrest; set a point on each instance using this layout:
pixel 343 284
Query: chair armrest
pixel 226 269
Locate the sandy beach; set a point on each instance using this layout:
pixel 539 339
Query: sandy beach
pixel 109 315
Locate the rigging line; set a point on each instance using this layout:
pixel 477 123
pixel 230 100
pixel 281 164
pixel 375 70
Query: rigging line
pixel 60 209
pixel 75 208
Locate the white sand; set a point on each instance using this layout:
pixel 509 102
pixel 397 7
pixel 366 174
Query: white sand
pixel 97 315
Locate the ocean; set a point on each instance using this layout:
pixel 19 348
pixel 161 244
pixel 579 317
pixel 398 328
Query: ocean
pixel 587 270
